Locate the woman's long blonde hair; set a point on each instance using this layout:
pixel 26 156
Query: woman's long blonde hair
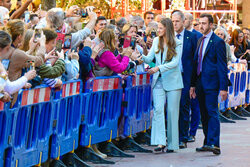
pixel 170 39
pixel 108 37
pixel 28 35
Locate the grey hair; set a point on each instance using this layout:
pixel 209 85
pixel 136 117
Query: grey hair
pixel 55 18
pixel 224 31
pixel 121 22
pixel 153 24
pixel 111 26
pixel 59 12
pixel 137 19
pixel 190 16
pixel 180 13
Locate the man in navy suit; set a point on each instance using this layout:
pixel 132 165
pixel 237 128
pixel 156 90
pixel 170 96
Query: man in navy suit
pixel 189 43
pixel 209 79
pixel 194 105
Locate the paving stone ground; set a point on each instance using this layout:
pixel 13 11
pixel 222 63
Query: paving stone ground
pixel 235 147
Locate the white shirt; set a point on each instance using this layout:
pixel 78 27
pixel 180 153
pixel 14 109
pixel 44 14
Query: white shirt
pixel 181 38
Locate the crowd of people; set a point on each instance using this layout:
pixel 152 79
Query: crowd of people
pixel 188 60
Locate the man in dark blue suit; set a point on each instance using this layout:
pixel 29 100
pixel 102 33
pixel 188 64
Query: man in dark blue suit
pixel 194 105
pixel 189 43
pixel 209 80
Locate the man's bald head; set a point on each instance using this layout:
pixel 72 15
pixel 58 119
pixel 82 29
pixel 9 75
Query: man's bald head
pixel 188 21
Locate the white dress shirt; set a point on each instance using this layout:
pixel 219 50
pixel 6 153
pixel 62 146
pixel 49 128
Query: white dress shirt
pixel 181 38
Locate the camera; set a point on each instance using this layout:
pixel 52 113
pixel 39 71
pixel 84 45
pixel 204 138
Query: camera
pixel 121 40
pixel 112 21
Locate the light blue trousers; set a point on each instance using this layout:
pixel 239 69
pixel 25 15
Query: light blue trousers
pixel 158 134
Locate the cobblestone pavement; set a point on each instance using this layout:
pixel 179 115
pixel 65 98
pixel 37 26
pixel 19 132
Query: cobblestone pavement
pixel 235 147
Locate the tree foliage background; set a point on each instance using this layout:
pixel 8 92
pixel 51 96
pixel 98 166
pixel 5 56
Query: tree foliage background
pixel 103 5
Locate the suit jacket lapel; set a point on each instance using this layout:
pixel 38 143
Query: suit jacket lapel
pixel 209 44
pixel 197 49
pixel 186 39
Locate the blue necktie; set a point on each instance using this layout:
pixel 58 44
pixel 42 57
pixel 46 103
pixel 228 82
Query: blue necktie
pixel 178 36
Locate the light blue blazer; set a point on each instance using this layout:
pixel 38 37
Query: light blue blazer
pixel 170 71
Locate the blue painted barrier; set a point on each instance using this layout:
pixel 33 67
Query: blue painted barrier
pixel 248 88
pixel 102 111
pixel 70 117
pixel 32 127
pixel 136 112
pixel 68 111
pixel 5 127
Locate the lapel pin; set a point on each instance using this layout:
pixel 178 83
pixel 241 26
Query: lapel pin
pixel 211 41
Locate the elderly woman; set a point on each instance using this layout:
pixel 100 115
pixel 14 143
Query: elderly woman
pixel 222 33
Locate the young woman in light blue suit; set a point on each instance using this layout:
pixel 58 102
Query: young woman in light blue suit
pixel 167 81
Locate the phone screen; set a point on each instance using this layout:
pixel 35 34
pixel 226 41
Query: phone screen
pixel 67 41
pixel 37 34
pixel 153 34
pixel 59 45
pixel 133 43
pixel 6 63
pixel 139 33
pixel 84 13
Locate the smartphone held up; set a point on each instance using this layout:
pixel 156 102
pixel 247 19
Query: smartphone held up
pixel 37 35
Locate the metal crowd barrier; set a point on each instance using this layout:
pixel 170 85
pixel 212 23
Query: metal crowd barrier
pixel 48 124
pixel 102 111
pixel 31 124
pixel 138 104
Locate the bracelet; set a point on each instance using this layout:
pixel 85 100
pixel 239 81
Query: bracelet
pixel 4 75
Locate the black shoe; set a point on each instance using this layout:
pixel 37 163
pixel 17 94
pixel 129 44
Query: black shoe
pixel 214 149
pixel 183 145
pixel 159 149
pixel 191 139
pixel 202 149
pixel 169 151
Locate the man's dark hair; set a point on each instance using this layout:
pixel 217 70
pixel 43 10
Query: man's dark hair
pixel 32 16
pixel 209 16
pixel 99 19
pixel 50 34
pixel 5 39
pixel 148 12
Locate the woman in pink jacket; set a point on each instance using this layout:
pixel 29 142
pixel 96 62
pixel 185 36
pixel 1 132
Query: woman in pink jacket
pixel 106 62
